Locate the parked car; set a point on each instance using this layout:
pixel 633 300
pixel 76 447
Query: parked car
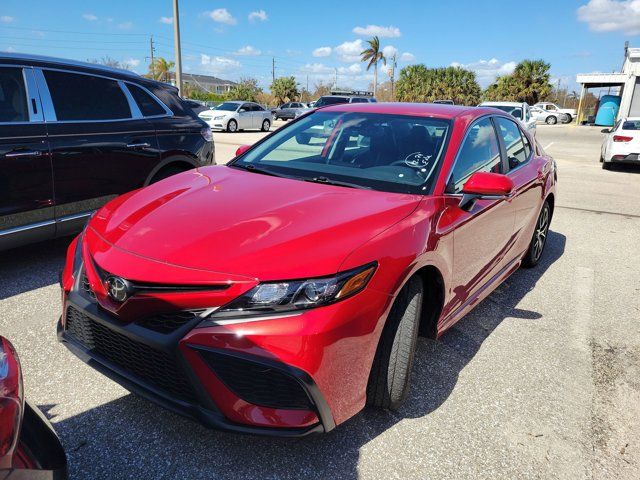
pixel 570 113
pixel 621 144
pixel 287 111
pixel 444 102
pixel 338 97
pixel 238 115
pixel 29 447
pixel 74 135
pixel 196 105
pixel 281 293
pixel 520 110
pixel 550 118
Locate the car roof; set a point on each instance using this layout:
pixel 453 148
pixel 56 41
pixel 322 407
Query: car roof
pixel 24 57
pixel 436 110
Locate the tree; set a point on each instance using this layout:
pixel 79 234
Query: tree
pixel 284 89
pixel 160 69
pixel 529 83
pixel 417 83
pixel 110 62
pixel 321 89
pixel 247 89
pixel 373 55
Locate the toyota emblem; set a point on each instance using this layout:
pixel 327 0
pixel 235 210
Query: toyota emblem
pixel 118 288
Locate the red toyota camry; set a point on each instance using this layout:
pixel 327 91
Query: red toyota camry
pixel 283 292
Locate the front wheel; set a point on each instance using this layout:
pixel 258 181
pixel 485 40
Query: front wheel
pixel 389 379
pixel 539 240
pixel 232 126
pixel 266 125
pixel 551 120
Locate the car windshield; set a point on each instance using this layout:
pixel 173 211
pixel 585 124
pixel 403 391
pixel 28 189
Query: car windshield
pixel 631 125
pixel 324 101
pixel 228 107
pixel 515 111
pixel 391 153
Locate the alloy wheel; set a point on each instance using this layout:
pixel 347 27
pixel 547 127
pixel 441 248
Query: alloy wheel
pixel 540 235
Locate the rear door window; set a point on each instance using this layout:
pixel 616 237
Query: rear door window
pixel 13 96
pixel 86 97
pixel 149 107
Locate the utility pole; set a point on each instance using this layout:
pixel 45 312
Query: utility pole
pixel 335 80
pixel 393 74
pixel 273 69
pixel 176 39
pixel 153 66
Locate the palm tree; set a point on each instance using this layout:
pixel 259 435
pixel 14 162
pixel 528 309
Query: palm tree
pixel 373 55
pixel 161 69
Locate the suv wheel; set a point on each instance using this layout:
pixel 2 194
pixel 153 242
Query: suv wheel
pixel 166 172
pixel 389 379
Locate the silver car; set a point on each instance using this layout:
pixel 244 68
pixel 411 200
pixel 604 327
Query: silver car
pixel 520 110
pixel 235 115
pixel 548 117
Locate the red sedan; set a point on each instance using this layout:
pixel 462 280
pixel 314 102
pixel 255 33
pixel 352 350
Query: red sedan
pixel 283 292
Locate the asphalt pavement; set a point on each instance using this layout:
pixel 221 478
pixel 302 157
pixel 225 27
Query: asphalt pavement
pixel 540 381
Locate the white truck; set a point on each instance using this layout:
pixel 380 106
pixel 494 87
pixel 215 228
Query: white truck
pixel 570 113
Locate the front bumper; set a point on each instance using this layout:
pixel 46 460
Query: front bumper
pixel 188 396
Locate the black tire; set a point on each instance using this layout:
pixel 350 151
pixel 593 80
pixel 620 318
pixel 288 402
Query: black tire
pixel 606 165
pixel 388 385
pixel 569 118
pixel 166 172
pixel 232 126
pixel 266 125
pixel 539 238
pixel 551 120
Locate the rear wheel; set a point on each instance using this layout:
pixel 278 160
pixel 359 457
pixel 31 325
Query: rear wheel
pixel 568 118
pixel 266 125
pixel 167 172
pixel 389 379
pixel 551 120
pixel 232 126
pixel 539 240
pixel 606 165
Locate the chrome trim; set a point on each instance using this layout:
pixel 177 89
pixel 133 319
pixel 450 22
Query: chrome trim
pixel 23 154
pixel 232 321
pixel 74 216
pixel 133 106
pixel 45 96
pixel 32 95
pixel 24 228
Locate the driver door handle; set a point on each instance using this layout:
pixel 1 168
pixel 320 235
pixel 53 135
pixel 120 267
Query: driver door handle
pixel 138 145
pixel 23 154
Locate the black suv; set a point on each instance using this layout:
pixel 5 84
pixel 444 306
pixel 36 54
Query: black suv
pixel 74 135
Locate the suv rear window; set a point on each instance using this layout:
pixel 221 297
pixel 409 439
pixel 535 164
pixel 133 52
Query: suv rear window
pixel 324 101
pixel 85 97
pixel 148 106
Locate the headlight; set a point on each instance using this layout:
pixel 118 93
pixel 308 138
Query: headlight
pixel 219 117
pixel 276 297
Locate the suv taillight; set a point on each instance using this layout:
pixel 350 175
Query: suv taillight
pixel 207 134
pixel 620 138
pixel 11 401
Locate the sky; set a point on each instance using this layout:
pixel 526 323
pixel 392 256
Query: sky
pixel 314 41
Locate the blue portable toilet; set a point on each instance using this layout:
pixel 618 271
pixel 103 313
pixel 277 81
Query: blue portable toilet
pixel 608 110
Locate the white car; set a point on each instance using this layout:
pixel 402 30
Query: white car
pixel 550 118
pixel 621 143
pixel 236 115
pixel 520 110
pixel 552 107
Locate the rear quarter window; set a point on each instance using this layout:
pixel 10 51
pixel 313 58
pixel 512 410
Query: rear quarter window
pixel 147 104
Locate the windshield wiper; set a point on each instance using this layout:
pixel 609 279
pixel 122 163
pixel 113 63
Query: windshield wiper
pixel 254 169
pixel 338 183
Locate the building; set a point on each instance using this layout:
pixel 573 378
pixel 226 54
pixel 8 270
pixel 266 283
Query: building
pixel 626 82
pixel 207 83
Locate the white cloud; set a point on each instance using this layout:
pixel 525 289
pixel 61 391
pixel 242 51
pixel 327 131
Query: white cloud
pixel 407 57
pixel 132 62
pixel 248 51
pixel 322 52
pixel 488 70
pixel 90 17
pixel 221 15
pixel 125 25
pixel 389 51
pixel 353 69
pixel 349 51
pixel 377 30
pixel 219 65
pixel 612 15
pixel 166 20
pixel 316 68
pixel 6 19
pixel 258 15
pixel 10 50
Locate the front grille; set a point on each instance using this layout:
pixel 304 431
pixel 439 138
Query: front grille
pixel 168 322
pixel 151 366
pixel 86 286
pixel 257 383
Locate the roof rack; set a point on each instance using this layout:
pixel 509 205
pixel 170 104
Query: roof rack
pixel 352 93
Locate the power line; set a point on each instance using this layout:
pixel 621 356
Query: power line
pixel 75 32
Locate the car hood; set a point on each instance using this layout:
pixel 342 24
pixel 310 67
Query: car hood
pixel 228 220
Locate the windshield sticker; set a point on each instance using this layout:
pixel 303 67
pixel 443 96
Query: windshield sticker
pixel 417 160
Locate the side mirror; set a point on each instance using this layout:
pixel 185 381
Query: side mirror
pixel 485 185
pixel 242 110
pixel 605 130
pixel 241 149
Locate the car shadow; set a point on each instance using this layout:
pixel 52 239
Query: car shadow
pixel 32 266
pixel 130 437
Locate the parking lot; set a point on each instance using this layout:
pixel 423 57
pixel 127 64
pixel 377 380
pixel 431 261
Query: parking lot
pixel 541 380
